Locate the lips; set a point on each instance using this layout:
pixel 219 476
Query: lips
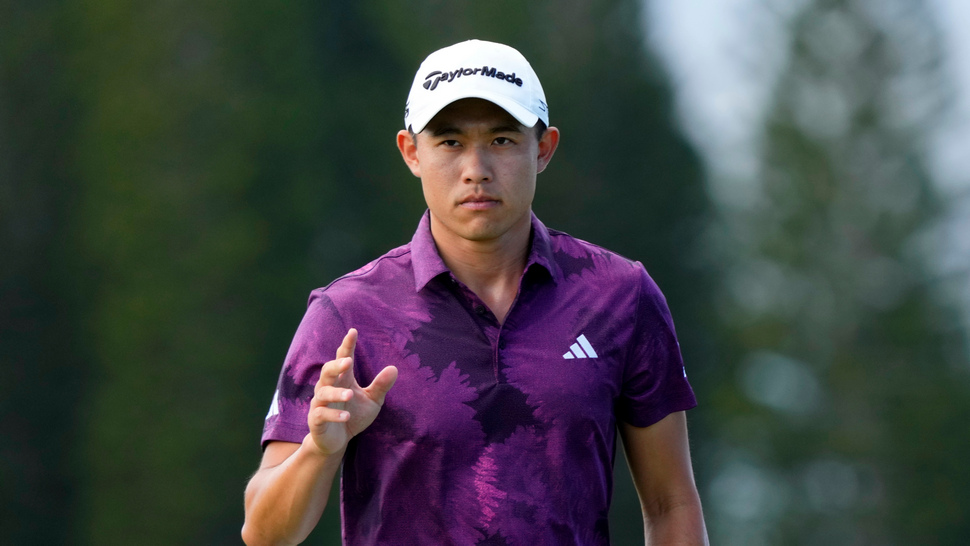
pixel 479 201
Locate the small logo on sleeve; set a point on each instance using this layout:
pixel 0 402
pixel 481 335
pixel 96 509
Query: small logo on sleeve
pixel 581 349
pixel 274 407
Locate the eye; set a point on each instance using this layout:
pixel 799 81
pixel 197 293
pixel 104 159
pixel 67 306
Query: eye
pixel 450 143
pixel 503 141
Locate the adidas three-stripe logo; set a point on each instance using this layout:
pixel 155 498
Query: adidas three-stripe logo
pixel 580 349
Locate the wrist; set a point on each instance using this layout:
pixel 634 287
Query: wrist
pixel 311 449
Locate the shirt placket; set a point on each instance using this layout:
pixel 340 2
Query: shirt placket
pixel 487 323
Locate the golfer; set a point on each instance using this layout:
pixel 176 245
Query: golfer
pixel 469 386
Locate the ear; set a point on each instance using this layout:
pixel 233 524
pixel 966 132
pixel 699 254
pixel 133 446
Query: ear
pixel 547 147
pixel 409 151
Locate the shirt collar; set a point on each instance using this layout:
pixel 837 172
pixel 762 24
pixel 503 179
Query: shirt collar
pixel 427 263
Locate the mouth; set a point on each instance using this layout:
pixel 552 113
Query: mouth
pixel 479 202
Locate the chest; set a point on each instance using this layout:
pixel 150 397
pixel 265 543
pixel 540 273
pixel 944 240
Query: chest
pixel 557 361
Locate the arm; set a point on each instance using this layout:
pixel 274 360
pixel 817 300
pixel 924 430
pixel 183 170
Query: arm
pixel 659 459
pixel 287 495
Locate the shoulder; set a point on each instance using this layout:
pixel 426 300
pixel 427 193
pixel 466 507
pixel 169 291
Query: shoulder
pixel 392 271
pixel 576 257
pixel 599 271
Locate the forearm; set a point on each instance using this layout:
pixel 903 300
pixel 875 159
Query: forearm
pixel 659 458
pixel 679 525
pixel 285 502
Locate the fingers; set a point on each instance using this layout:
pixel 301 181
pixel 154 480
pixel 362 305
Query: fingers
pixel 327 395
pixel 348 345
pixel 327 392
pixel 332 370
pixel 328 401
pixel 322 415
pixel 381 384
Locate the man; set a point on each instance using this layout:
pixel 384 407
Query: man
pixel 500 358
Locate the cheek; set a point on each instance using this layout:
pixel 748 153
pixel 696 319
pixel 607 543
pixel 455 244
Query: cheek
pixel 435 191
pixel 529 193
pixel 436 168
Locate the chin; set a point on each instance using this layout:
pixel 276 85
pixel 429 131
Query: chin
pixel 479 228
pixel 480 235
pixel 483 233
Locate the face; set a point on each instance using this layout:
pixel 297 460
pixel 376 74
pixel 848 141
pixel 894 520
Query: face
pixel 478 169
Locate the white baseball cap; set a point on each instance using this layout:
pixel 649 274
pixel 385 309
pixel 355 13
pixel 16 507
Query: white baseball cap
pixel 476 69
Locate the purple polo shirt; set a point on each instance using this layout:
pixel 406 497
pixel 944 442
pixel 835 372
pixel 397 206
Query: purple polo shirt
pixel 493 434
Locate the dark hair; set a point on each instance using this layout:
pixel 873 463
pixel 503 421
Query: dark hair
pixel 540 129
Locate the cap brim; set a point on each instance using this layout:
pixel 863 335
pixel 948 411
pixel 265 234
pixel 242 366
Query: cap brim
pixel 420 120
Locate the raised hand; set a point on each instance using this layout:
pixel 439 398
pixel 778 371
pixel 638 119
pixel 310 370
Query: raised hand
pixel 341 408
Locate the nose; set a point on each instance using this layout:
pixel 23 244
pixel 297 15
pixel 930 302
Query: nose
pixel 476 167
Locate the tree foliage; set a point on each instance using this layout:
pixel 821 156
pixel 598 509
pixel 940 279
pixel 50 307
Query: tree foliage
pixel 177 176
pixel 847 376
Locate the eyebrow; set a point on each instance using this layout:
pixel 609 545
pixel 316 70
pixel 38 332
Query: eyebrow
pixel 453 130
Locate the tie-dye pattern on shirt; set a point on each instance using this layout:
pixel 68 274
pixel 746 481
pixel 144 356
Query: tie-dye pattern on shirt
pixel 490 435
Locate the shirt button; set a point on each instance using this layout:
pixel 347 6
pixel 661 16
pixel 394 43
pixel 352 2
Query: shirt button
pixel 480 309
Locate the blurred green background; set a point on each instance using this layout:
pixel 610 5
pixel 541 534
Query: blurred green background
pixel 175 177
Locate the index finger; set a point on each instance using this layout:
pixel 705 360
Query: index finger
pixel 331 371
pixel 348 345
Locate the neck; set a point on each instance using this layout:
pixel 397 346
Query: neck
pixel 491 269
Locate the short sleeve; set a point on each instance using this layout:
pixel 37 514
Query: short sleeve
pixel 655 381
pixel 315 343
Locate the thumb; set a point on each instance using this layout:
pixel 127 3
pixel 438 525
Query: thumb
pixel 378 388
